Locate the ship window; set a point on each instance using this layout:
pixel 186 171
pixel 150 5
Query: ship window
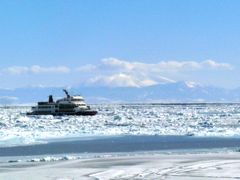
pixel 45 107
pixel 67 106
pixel 77 100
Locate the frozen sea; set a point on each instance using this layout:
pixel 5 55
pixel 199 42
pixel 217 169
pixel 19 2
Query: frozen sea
pixel 197 120
pixel 117 131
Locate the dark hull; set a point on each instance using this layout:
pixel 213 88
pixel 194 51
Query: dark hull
pixel 80 113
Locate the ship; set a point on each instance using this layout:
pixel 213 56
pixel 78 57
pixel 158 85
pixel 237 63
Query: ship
pixel 69 105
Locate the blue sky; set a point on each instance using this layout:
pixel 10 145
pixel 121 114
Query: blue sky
pixel 119 42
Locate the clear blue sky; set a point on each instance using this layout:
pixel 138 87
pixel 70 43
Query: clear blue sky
pixel 75 33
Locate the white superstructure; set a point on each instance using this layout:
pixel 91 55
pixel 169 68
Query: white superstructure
pixel 70 105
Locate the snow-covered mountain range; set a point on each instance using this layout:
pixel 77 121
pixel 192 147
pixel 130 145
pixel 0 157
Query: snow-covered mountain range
pixel 179 92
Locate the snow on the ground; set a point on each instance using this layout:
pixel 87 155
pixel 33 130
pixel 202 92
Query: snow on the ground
pixel 140 166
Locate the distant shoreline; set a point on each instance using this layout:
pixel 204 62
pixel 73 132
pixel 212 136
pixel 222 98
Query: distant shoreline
pixel 133 104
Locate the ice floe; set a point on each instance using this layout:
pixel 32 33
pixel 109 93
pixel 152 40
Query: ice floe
pixel 192 120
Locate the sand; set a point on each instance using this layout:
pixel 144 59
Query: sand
pixel 222 165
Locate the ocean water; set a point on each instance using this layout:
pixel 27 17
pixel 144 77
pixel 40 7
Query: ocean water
pixel 200 120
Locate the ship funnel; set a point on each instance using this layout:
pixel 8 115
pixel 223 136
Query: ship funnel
pixel 50 99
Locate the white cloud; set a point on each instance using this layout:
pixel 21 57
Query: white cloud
pixel 57 69
pixel 215 65
pixel 164 65
pixel 123 73
pixel 115 72
pixel 113 62
pixel 86 68
pixel 17 70
pixel 122 80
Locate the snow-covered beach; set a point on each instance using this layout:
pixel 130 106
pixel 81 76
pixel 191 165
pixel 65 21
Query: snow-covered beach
pixel 224 165
pixel 124 157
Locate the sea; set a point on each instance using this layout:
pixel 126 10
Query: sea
pixel 194 120
pixel 118 137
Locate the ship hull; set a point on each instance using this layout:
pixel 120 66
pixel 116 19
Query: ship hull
pixel 79 113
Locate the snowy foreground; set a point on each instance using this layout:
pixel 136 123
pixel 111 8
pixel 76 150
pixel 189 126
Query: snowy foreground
pixel 222 165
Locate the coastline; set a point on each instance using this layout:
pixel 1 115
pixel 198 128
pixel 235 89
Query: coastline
pixel 138 166
pixel 124 157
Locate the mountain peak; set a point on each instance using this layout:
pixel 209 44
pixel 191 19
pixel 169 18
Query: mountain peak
pixel 191 84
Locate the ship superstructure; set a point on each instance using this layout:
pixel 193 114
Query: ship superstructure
pixel 69 105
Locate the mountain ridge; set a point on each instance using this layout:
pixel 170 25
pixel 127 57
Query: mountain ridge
pixel 179 92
